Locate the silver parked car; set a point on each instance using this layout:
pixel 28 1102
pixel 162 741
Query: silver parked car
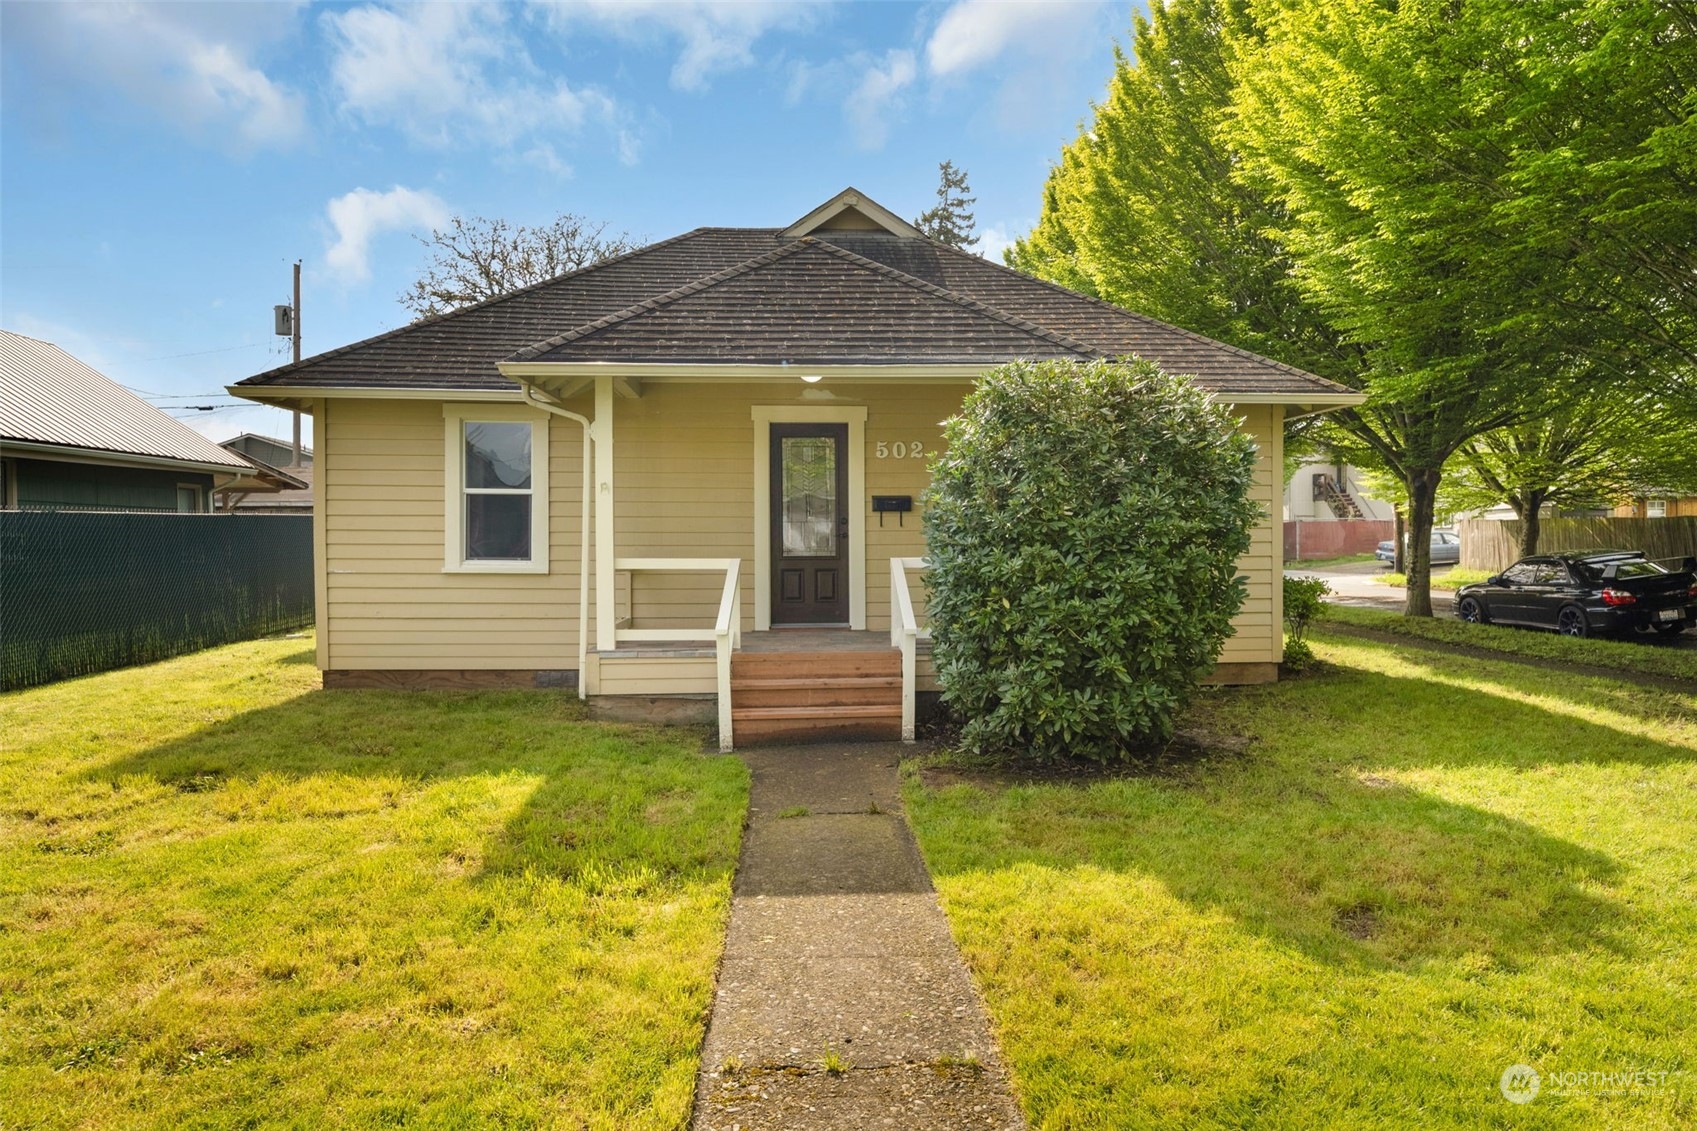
pixel 1446 548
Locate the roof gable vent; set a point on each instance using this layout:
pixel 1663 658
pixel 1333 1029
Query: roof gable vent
pixel 851 211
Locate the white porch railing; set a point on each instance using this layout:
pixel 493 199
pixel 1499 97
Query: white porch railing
pixel 726 633
pixel 905 634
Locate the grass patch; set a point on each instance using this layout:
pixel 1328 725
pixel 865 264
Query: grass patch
pixel 228 899
pixel 1452 579
pixel 1322 563
pixel 1424 869
pixel 1649 656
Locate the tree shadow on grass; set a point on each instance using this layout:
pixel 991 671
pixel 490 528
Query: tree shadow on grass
pixel 462 908
pixel 1323 836
pixel 598 800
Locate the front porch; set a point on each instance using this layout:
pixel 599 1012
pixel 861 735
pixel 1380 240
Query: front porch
pixel 770 684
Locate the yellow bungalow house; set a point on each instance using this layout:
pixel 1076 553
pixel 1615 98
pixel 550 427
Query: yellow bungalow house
pixel 751 410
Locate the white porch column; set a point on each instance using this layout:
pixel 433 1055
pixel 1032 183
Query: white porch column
pixel 606 596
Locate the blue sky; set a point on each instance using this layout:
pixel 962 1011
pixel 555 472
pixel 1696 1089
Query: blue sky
pixel 161 166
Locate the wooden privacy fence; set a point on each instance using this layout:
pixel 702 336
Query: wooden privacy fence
pixel 1491 545
pixel 84 592
pixel 1307 541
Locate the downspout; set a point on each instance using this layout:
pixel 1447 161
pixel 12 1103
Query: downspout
pixel 531 398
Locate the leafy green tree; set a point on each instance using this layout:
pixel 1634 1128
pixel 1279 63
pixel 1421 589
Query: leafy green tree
pixel 1084 527
pixel 1601 179
pixel 951 221
pixel 1387 133
pixel 1591 451
pixel 1143 210
pixel 1147 209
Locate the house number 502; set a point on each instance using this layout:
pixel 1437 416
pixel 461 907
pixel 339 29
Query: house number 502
pixel 899 450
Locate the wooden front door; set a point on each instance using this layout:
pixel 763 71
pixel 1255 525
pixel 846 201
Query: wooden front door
pixel 810 524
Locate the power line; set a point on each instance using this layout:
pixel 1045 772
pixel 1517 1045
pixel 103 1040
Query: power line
pixel 203 353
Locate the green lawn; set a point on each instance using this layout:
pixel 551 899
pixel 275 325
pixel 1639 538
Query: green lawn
pixel 1452 579
pixel 1424 869
pixel 1319 563
pixel 1649 655
pixel 227 899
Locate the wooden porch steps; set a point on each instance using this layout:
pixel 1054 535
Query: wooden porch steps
pixel 814 696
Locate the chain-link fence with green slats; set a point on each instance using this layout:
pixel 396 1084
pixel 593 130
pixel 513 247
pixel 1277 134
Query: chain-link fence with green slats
pixel 85 592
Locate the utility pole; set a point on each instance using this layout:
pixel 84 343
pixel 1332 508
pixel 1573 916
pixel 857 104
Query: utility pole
pixel 295 328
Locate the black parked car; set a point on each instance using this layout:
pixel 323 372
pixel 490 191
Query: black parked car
pixel 1584 593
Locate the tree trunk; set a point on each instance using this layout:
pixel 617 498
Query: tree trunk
pixel 1529 516
pixel 1422 498
pixel 1398 557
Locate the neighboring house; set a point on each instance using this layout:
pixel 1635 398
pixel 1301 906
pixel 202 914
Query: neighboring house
pixel 294 488
pixel 268 450
pixel 759 406
pixel 1680 507
pixel 72 439
pixel 1329 492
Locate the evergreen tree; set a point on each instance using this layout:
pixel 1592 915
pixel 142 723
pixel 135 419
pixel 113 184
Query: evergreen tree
pixel 951 221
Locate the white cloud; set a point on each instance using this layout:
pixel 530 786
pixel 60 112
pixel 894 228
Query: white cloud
pixel 877 97
pixel 190 63
pixel 992 241
pixel 973 33
pixel 360 216
pixel 717 35
pixel 451 73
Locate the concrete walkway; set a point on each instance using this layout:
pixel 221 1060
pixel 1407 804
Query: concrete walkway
pixel 1352 584
pixel 842 1000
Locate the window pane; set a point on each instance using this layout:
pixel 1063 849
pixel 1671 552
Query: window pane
pixel 497 528
pixel 497 455
pixel 810 496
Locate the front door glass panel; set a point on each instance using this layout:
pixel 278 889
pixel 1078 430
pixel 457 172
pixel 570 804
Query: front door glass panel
pixel 809 496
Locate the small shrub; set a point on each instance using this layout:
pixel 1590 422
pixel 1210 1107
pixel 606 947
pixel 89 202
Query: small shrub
pixel 1083 529
pixel 1304 602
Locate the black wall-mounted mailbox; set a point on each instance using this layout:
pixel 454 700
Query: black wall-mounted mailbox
pixel 897 505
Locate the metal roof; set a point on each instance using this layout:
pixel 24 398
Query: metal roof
pixel 49 397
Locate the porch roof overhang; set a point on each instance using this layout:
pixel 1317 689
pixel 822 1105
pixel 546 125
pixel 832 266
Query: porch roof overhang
pixel 569 378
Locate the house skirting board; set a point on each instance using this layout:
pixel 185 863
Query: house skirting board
pixel 667 710
pixel 449 679
pixel 1243 673
pixel 690 708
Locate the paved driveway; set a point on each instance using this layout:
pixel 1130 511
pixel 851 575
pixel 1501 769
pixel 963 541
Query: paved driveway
pixel 1354 584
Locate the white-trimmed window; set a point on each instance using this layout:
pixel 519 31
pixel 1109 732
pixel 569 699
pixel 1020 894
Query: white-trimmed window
pixel 497 489
pixel 1655 508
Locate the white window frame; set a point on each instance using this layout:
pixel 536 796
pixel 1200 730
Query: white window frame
pixel 199 498
pixel 455 417
pixel 1655 508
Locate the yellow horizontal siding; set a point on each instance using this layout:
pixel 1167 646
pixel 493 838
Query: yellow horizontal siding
pixel 691 675
pixel 683 481
pixel 389 604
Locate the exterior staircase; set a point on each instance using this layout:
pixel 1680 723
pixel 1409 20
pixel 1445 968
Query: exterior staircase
pixel 814 696
pixel 1337 497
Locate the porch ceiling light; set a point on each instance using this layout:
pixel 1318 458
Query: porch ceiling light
pixel 813 378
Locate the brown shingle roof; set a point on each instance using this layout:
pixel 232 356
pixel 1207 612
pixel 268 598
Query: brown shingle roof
pixel 808 302
pixel 729 295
